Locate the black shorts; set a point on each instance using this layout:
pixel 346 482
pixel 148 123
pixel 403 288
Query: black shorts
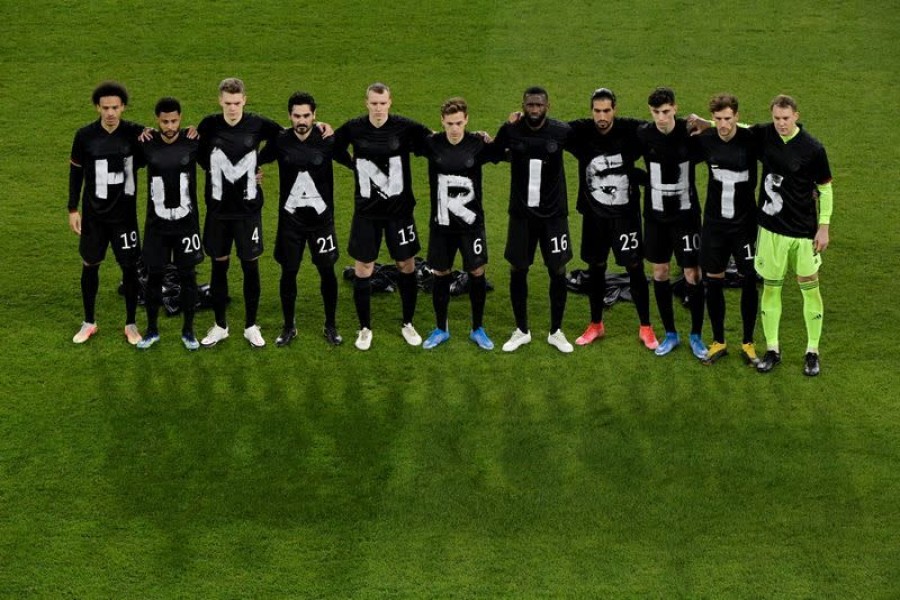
pixel 400 233
pixel 182 250
pixel 97 235
pixel 525 233
pixel 290 242
pixel 681 236
pixel 443 244
pixel 622 235
pixel 718 243
pixel 245 234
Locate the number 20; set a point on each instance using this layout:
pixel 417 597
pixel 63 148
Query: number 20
pixel 191 243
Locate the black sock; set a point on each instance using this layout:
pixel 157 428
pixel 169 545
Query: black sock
pixel 218 287
pixel 328 286
pixel 518 295
pixel 558 293
pixel 663 292
pixel 409 292
pixel 478 297
pixel 130 285
pixel 715 305
pixel 596 291
pixel 640 293
pixel 695 301
pixel 154 299
pixel 287 289
pixel 251 291
pixel 362 298
pixel 188 280
pixel 440 298
pixel 90 284
pixel 749 306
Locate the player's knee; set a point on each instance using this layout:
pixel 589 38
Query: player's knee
pixel 518 270
pixel 289 274
pixel 476 272
pixel 661 271
pixel 187 275
pixel 407 266
pixel 437 273
pixel 713 281
pixel 559 271
pixel 363 270
pixel 250 266
pixel 635 269
pixel 692 275
pixel 324 271
pixel 807 278
pixel 600 266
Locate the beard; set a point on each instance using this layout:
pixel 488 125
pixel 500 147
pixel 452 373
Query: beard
pixel 535 121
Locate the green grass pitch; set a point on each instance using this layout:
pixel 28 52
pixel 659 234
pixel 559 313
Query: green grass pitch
pixel 313 472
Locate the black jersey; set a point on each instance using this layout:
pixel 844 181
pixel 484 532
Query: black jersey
pixel 381 163
pixel 670 158
pixel 172 184
pixel 229 154
pixel 107 159
pixel 790 173
pixel 306 177
pixel 731 191
pixel 605 164
pixel 537 183
pixel 454 172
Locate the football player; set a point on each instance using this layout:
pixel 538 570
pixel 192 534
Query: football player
pixel 384 203
pixel 229 142
pixel 172 225
pixel 305 212
pixel 102 167
pixel 538 212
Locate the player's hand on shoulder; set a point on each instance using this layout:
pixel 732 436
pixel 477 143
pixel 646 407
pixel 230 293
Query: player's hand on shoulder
pixel 326 129
pixel 514 117
pixel 146 134
pixel 259 176
pixel 484 135
pixel 75 222
pixel 192 133
pixel 696 124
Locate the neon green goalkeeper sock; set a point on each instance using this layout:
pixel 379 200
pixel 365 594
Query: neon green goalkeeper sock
pixel 813 308
pixel 770 312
